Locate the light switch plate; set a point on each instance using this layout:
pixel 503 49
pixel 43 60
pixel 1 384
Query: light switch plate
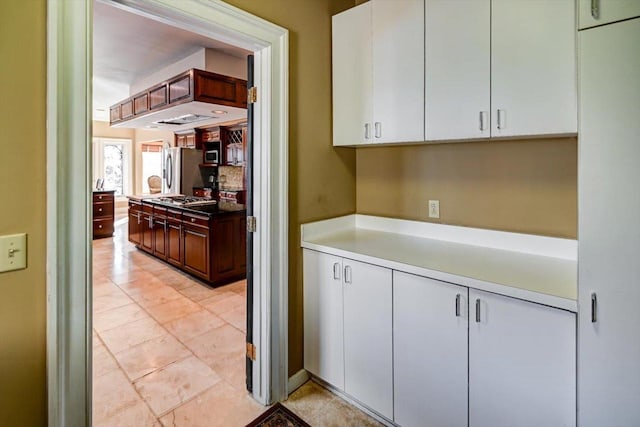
pixel 13 252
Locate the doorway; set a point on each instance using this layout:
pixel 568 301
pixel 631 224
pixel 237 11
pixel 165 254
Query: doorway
pixel 69 337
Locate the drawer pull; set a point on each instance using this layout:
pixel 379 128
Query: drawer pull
pixel 478 310
pixel 193 220
pixel 336 271
pixel 594 308
pixel 458 305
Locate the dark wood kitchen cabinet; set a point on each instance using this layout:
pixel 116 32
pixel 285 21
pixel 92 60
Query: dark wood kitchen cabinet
pixel 146 226
pixel 211 247
pixel 103 213
pixel 159 232
pixel 196 242
pixel 135 221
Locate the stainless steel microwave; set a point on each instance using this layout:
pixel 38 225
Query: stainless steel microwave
pixel 211 157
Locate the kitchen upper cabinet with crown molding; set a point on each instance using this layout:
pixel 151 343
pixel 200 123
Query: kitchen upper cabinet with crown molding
pixel 378 73
pixel 499 68
pixel 592 13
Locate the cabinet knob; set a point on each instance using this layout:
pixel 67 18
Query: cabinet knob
pixel 100 197
pixel 100 226
pixel 193 220
pixel 100 210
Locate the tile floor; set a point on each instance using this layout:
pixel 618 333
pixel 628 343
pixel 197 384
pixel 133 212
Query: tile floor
pixel 169 351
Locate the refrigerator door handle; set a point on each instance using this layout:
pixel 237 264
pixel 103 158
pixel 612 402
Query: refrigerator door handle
pixel 169 168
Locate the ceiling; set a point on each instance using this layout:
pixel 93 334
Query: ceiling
pixel 127 47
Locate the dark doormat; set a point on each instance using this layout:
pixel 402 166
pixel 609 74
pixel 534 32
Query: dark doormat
pixel 278 416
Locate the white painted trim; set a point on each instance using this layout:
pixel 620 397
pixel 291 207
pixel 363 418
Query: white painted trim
pixel 515 242
pixel 68 212
pixel 297 380
pixel 69 251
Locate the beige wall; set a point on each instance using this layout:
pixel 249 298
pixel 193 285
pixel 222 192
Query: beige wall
pixel 322 179
pixel 22 188
pixel 522 186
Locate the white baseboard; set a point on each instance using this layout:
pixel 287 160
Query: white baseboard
pixel 296 381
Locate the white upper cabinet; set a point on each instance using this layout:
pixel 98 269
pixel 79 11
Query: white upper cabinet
pixel 457 69
pixel 533 68
pixel 352 76
pixel 378 73
pixel 598 12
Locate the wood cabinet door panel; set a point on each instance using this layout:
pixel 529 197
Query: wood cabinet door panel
pixel 180 88
pixel 224 231
pixel 158 97
pixel 160 238
pixel 147 233
pixel 141 103
pixel 134 226
pixel 522 363
pixel 114 114
pixel 174 242
pixel 196 250
pixel 126 109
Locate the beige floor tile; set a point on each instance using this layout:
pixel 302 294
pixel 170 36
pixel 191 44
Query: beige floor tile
pixel 175 384
pixel 239 287
pixel 188 327
pixel 173 278
pixel 118 316
pixel 130 334
pixel 116 403
pixel 156 296
pixel 172 310
pixel 114 298
pixel 103 361
pixel 220 406
pixel 142 359
pixel 198 292
pixel 224 303
pixel 236 318
pixel 219 345
pixel 125 275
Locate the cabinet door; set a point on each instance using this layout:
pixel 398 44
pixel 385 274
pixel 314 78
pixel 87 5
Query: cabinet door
pixel 398 70
pixel 146 232
pixel 368 354
pixel 522 363
pixel 598 12
pixel 352 76
pixel 430 356
pixel 458 56
pixel 174 243
pixel 160 238
pixel 609 352
pixel 134 226
pixel 195 247
pixel 323 339
pixel 533 67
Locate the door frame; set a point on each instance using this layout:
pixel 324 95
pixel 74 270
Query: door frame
pixel 69 224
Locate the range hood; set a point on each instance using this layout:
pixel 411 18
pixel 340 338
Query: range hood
pixel 193 98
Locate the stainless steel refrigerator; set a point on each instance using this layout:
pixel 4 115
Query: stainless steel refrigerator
pixel 181 171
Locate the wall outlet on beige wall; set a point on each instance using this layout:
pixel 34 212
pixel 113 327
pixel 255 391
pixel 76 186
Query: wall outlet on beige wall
pixel 434 208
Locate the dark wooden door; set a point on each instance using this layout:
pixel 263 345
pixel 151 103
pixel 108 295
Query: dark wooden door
pixel 134 226
pixel 195 247
pixel 146 242
pixel 174 242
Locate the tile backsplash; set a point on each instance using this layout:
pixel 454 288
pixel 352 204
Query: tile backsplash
pixel 230 177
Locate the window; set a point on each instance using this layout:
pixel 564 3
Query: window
pixel 112 162
pixel 151 163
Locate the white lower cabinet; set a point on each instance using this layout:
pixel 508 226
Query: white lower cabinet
pixel 323 326
pixel 429 352
pixel 368 352
pixel 422 352
pixel 522 363
pixel 348 327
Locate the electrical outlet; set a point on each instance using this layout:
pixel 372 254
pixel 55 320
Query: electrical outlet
pixel 434 208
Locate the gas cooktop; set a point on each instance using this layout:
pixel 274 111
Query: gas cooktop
pixel 186 201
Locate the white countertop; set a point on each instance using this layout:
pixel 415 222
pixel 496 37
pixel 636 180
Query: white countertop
pixel 510 271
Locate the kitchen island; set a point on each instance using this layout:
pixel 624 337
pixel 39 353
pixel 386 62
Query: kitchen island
pixel 207 241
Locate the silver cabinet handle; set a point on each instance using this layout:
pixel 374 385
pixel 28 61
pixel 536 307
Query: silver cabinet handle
pixel 378 130
pixel 477 310
pixel 458 305
pixel 336 271
pixel 367 131
pixel 138 216
pixel 502 119
pixel 483 120
pixel 595 9
pixel 594 308
pixel 150 222
pixel 347 274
